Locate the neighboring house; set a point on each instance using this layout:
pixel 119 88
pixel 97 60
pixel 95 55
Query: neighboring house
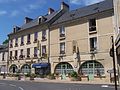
pixel 3 58
pixel 29 44
pixel 117 43
pixel 80 41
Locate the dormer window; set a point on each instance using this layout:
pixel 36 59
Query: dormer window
pixel 41 19
pixel 62 31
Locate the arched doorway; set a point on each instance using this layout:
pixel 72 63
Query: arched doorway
pixel 63 68
pixel 26 69
pixel 91 68
pixel 13 68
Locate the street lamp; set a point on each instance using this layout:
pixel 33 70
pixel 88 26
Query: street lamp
pixel 112 54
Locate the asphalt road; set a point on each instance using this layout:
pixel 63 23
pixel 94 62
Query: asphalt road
pixel 21 85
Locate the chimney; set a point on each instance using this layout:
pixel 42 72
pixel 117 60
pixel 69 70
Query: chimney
pixel 64 6
pixel 27 19
pixel 50 11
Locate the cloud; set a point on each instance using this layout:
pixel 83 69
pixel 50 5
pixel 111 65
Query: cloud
pixel 38 4
pixel 14 13
pixel 3 12
pixel 84 2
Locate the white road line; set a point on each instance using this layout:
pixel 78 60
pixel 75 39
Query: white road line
pixel 20 88
pixel 12 85
pixel 104 86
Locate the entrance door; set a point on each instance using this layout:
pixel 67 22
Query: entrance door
pixel 91 71
pixel 63 70
pixel 13 69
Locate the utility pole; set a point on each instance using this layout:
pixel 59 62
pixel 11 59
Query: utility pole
pixel 112 54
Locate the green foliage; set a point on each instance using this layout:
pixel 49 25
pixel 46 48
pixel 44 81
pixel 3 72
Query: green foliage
pixel 74 74
pixel 51 76
pixel 27 75
pixel 6 41
pixel 33 75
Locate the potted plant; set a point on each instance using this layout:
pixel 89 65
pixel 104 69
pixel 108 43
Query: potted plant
pixel 32 76
pixel 74 76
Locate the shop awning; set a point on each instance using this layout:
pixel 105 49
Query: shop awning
pixel 40 65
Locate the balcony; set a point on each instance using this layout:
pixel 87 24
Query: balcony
pixel 44 55
pixel 21 57
pixel 28 57
pixel 16 44
pixel 35 41
pixel 35 56
pixel 62 36
pixel 10 57
pixel 93 50
pixel 21 44
pixel 43 38
pixel 28 42
pixel 15 58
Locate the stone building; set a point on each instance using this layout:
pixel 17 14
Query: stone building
pixel 3 59
pixel 80 41
pixel 29 44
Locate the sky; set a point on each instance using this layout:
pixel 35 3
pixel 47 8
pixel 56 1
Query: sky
pixel 13 12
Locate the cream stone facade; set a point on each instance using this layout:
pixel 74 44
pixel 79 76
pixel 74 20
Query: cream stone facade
pixel 29 44
pixel 79 40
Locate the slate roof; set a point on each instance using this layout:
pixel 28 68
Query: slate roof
pixel 35 21
pixel 84 11
pixel 3 48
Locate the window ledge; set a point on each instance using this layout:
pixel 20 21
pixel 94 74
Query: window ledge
pixel 92 32
pixel 62 38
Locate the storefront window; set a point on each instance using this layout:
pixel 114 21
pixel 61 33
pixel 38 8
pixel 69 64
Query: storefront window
pixel 63 68
pixel 91 67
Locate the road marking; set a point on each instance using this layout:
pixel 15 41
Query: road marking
pixel 20 88
pixel 12 85
pixel 104 86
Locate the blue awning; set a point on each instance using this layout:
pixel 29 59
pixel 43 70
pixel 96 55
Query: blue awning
pixel 40 65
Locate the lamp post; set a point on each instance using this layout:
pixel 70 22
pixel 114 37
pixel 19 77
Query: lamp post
pixel 112 54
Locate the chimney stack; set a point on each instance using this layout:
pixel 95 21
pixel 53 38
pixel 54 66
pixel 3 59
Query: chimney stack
pixel 64 6
pixel 27 19
pixel 50 11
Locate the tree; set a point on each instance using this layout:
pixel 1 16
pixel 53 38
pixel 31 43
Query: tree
pixel 6 41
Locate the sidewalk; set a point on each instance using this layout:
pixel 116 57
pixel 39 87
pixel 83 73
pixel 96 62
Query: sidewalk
pixel 61 81
pixel 68 81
